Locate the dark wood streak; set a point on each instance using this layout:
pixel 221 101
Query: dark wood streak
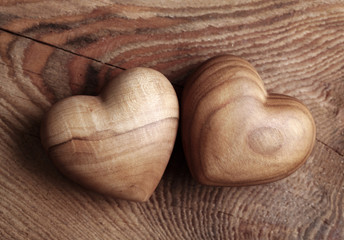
pixel 109 133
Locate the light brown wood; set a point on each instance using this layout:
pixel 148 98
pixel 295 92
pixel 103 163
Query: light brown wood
pixel 119 142
pixel 235 133
pixel 50 50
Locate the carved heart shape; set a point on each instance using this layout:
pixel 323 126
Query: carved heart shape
pixel 235 133
pixel 117 143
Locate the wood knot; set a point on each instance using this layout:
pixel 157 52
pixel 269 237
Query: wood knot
pixel 265 140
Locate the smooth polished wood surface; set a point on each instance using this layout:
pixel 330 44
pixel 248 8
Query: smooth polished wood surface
pixel 50 50
pixel 117 143
pixel 234 133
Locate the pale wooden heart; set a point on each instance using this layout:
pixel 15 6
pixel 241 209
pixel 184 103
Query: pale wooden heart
pixel 117 143
pixel 235 133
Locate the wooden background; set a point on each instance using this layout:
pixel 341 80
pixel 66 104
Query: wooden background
pixel 53 49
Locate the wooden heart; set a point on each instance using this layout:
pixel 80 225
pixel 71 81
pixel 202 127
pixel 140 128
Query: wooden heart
pixel 117 143
pixel 235 133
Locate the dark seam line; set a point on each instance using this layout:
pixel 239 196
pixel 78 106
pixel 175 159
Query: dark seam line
pixel 111 135
pixel 331 148
pixel 62 49
pixel 71 52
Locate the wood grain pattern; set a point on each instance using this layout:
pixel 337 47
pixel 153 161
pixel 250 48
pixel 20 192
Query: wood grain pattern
pixel 234 133
pixel 301 40
pixel 51 50
pixel 117 143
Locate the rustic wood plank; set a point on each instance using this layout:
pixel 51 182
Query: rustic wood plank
pixel 38 203
pixel 49 51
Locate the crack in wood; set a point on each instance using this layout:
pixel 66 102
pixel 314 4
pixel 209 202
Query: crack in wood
pixel 24 70
pixel 329 147
pixel 60 48
pixel 67 51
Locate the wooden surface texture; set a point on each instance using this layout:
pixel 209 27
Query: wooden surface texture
pixel 53 49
